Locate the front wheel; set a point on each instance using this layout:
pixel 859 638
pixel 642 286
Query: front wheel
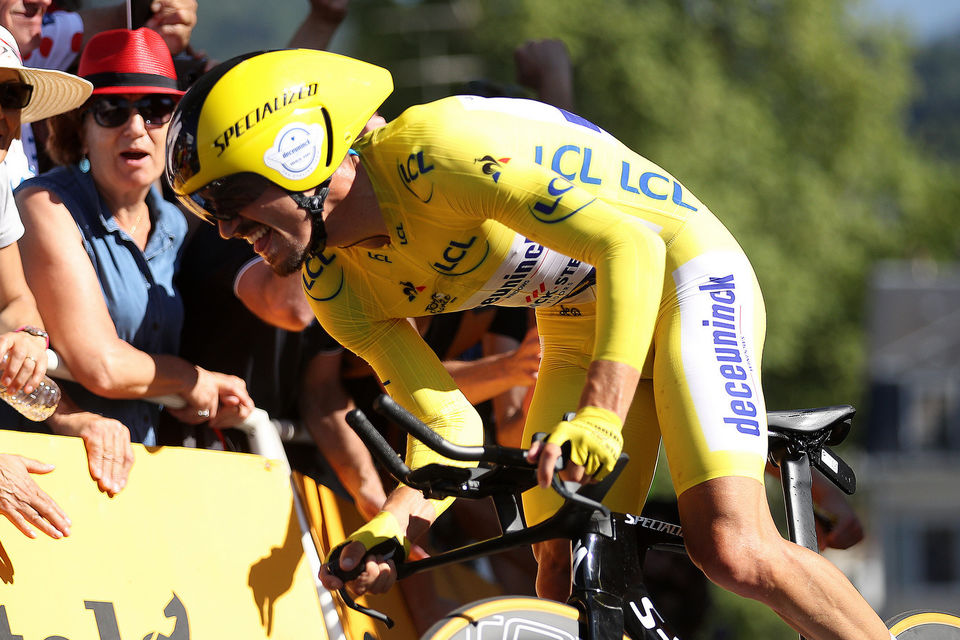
pixel 925 625
pixel 515 617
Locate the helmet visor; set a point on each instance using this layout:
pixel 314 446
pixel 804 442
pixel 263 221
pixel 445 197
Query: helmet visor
pixel 222 199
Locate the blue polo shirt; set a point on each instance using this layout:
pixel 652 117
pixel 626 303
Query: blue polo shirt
pixel 137 285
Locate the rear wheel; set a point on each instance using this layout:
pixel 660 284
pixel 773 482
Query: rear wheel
pixel 517 618
pixel 925 625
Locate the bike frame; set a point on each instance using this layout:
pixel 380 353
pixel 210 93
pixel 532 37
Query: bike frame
pixel 608 548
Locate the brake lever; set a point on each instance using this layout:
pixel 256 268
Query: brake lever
pixel 367 611
pixel 388 549
pixel 562 487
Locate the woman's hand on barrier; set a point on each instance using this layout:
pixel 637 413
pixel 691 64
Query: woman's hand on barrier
pixel 24 503
pixel 107 441
pixel 235 404
pixel 212 393
pixel 202 399
pixel 23 360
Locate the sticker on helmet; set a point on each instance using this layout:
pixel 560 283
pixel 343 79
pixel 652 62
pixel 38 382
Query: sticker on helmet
pixel 296 150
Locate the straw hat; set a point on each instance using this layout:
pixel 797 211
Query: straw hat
pixel 125 61
pixel 53 91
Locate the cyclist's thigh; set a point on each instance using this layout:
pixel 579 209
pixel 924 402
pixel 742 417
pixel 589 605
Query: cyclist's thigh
pixel 706 372
pixel 517 618
pixel 567 350
pixel 925 625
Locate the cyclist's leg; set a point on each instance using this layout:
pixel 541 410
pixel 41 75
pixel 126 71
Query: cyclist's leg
pixel 710 405
pixel 567 350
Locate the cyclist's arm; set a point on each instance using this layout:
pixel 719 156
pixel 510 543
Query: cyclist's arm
pixel 629 261
pixel 628 257
pixel 413 375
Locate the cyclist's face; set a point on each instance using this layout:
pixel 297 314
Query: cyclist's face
pixel 276 227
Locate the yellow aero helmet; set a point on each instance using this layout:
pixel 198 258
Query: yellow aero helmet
pixel 289 116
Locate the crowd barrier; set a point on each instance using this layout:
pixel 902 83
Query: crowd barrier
pixel 199 544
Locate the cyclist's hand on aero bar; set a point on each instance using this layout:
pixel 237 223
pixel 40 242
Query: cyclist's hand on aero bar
pixel 595 444
pixel 366 560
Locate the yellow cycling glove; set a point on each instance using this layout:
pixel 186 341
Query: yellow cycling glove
pixel 595 439
pixel 381 536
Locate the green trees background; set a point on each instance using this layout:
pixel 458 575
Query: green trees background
pixel 788 118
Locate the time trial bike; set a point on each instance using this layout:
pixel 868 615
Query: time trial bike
pixel 609 600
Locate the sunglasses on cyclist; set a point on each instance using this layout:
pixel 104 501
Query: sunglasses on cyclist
pixel 222 199
pixel 15 95
pixel 114 111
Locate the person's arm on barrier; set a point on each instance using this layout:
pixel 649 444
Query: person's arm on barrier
pixel 26 504
pixel 107 442
pixel 23 355
pixel 318 27
pixel 69 296
pixel 323 406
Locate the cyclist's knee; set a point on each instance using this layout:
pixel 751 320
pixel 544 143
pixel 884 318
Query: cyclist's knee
pixel 730 557
pixel 730 535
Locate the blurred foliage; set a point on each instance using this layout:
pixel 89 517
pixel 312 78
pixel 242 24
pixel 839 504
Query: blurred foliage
pixel 935 116
pixel 786 117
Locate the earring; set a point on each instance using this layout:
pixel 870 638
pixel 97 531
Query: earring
pixel 84 164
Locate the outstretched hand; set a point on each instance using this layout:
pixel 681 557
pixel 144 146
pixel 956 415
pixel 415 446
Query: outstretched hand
pixel 24 503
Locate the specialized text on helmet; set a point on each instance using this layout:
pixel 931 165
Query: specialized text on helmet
pixel 258 115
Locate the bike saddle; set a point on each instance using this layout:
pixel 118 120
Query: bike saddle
pixel 835 420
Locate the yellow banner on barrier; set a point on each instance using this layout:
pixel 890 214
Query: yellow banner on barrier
pixel 199 545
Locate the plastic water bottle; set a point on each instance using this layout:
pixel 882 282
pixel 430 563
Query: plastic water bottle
pixel 39 404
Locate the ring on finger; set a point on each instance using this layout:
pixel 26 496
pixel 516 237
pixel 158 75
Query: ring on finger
pixel 203 413
pixel 30 358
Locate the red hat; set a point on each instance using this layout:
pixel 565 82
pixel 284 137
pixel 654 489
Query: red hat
pixel 125 61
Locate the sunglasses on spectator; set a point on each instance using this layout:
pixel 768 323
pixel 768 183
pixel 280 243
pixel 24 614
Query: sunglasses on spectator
pixel 15 95
pixel 114 111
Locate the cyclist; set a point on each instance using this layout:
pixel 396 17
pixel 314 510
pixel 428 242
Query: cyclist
pixel 650 315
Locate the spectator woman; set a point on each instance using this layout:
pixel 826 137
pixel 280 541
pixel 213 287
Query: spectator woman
pixel 102 246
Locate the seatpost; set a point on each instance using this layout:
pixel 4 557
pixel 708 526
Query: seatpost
pixel 796 479
pixel 797 482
